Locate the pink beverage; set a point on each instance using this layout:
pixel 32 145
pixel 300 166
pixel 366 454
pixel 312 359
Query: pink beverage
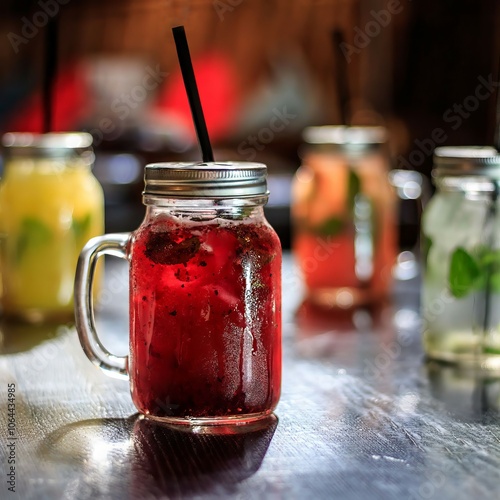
pixel 344 212
pixel 205 296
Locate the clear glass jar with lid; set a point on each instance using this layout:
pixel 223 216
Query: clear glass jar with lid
pixel 461 251
pixel 205 296
pixel 344 212
pixel 50 205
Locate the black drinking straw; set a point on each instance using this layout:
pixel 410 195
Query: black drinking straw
pixel 49 72
pixel 341 76
pixel 192 92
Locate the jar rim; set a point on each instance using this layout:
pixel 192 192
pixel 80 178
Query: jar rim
pixel 205 179
pixel 466 161
pixel 51 145
pixel 342 135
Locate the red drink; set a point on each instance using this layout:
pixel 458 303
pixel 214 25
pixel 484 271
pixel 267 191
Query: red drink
pixel 205 318
pixel 205 297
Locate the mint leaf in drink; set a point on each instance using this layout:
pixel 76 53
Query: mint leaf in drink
pixel 495 282
pixel 81 226
pixel 353 188
pixel 330 227
pixel 489 262
pixel 469 272
pixel 32 234
pixel 426 245
pixel 464 273
pixel 334 225
pixel 490 350
pixel 487 257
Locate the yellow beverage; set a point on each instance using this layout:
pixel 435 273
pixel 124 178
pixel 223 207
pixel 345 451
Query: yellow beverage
pixel 51 205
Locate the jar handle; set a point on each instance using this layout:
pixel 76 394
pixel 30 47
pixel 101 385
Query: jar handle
pixel 410 185
pixel 109 244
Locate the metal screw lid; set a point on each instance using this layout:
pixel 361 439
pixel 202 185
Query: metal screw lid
pixel 466 160
pixel 52 145
pixel 206 180
pixel 347 137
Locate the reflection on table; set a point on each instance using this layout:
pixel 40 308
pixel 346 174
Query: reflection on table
pixel 361 413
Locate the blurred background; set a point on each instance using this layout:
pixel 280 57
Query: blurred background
pixel 265 68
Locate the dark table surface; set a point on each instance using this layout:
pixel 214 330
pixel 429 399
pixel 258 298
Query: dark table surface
pixel 362 415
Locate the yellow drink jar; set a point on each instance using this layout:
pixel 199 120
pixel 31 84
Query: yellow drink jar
pixel 50 205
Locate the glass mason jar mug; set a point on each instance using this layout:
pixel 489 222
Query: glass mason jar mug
pixel 50 206
pixel 461 249
pixel 344 216
pixel 205 296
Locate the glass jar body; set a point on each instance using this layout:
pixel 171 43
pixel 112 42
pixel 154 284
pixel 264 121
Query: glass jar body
pixel 205 311
pixel 343 212
pixel 461 256
pixel 50 208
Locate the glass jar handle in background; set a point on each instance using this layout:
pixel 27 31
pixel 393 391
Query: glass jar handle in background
pixel 410 185
pixel 109 244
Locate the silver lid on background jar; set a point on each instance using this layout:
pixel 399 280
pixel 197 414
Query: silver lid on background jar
pixel 347 138
pixel 466 160
pixel 53 145
pixel 206 180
